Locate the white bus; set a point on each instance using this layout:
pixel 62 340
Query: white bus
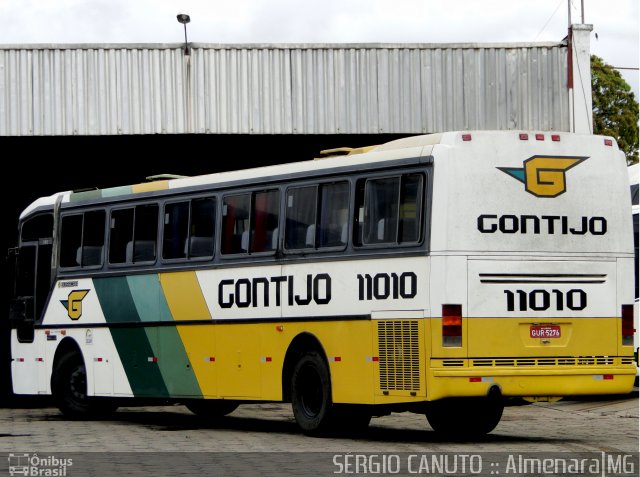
pixel 438 274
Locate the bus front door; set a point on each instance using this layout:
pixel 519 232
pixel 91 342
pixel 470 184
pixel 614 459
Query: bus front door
pixel 32 284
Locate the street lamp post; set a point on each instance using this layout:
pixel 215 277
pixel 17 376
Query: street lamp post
pixel 184 19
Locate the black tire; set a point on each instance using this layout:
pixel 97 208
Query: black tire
pixel 69 389
pixel 212 408
pixel 465 417
pixel 311 394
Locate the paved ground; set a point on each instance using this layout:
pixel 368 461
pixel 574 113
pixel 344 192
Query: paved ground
pixel 567 426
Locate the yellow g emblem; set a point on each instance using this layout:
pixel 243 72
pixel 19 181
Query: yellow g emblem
pixel 74 303
pixel 544 176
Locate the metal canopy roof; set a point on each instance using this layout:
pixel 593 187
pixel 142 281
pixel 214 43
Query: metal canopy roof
pixel 110 89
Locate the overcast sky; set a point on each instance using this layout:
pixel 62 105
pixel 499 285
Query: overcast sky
pixel 616 22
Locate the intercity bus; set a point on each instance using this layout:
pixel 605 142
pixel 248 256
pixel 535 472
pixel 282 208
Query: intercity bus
pixel 438 274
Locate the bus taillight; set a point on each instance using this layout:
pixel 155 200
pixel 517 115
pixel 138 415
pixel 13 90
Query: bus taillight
pixel 451 325
pixel 627 325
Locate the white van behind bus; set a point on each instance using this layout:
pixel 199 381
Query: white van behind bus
pixel 634 170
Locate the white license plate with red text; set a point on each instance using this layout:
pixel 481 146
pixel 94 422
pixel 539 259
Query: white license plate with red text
pixel 544 331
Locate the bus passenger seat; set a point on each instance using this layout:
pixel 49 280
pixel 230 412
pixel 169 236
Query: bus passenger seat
pixel 145 251
pixel 311 236
pixel 200 246
pixel 92 255
pixel 381 225
pixel 244 241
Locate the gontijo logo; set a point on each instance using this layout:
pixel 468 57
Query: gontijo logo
pixel 544 176
pixel 74 303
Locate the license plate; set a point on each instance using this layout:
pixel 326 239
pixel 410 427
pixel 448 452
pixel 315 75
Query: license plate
pixel 544 331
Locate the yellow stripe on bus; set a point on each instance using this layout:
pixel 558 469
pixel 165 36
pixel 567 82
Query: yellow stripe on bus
pixel 149 186
pixel 186 302
pixel 184 296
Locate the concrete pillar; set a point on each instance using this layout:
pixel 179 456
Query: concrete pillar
pixel 580 104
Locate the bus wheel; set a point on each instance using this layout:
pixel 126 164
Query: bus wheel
pixel 69 389
pixel 212 408
pixel 311 394
pixel 470 417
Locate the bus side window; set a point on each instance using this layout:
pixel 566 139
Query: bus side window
pixel 121 234
pixel 250 222
pixel 389 210
pixel 145 234
pixel 235 223
pixel 317 216
pixel 381 210
pixel 188 229
pixel 133 234
pixel 35 228
pixel 70 240
pixel 301 217
pixel 201 227
pixel 265 220
pixel 82 239
pixel 176 230
pixel 410 208
pixel 334 215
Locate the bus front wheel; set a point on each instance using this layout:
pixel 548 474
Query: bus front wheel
pixel 465 417
pixel 69 389
pixel 311 394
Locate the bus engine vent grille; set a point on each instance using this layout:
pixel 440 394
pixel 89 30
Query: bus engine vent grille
pixel 399 355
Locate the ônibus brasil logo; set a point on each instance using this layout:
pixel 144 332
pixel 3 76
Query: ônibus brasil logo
pixel 544 176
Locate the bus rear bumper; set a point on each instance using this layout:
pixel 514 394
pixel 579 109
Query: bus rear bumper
pixel 518 382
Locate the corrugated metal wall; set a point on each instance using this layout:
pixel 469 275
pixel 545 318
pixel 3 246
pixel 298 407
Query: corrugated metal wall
pixel 281 89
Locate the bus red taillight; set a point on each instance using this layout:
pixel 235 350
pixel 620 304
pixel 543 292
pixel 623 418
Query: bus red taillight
pixel 627 325
pixel 451 325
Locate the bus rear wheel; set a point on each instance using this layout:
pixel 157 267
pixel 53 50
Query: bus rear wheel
pixel 212 408
pixel 465 417
pixel 311 394
pixel 69 389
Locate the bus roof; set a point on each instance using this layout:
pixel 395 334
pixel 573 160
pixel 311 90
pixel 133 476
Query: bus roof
pixel 406 148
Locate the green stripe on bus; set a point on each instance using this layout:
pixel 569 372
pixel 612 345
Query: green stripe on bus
pixel 175 365
pixel 116 191
pixel 116 300
pixel 151 305
pixel 86 195
pixel 137 356
pixel 134 345
pixel 148 298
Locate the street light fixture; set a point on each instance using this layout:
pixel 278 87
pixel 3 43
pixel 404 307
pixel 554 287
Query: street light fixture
pixel 184 18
